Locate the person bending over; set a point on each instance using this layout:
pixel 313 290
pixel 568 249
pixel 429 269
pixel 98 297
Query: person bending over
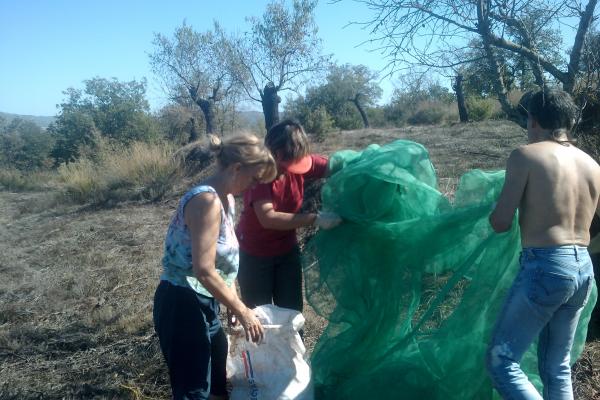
pixel 200 265
pixel 270 267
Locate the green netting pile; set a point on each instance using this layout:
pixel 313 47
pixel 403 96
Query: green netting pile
pixel 412 282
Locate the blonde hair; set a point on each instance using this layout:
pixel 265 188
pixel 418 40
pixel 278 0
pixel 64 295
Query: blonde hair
pixel 245 149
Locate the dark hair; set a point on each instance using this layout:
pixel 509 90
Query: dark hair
pixel 553 109
pixel 287 140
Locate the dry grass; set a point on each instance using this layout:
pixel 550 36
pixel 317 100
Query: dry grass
pixel 77 288
pixel 141 171
pixel 18 181
pixel 76 299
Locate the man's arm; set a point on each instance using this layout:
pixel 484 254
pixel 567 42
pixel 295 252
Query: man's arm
pixel 512 192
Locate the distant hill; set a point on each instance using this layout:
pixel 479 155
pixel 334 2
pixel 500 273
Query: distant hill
pixel 250 118
pixel 42 121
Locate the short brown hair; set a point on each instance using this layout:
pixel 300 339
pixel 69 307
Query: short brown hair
pixel 287 140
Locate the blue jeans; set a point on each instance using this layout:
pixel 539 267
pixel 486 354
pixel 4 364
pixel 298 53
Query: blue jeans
pixel 545 302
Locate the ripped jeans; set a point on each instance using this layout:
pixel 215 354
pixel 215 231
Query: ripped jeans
pixel 545 301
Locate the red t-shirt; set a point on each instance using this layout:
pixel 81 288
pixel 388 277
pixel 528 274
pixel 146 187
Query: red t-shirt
pixel 286 194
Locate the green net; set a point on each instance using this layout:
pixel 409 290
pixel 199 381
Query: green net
pixel 412 282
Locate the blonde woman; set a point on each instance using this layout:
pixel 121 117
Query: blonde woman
pixel 200 265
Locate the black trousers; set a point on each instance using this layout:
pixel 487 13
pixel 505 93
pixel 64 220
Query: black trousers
pixel 192 341
pixel 276 280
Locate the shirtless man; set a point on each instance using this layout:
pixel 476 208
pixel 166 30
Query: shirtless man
pixel 556 188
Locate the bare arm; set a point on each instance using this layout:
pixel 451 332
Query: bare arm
pixel 203 217
pixel 512 192
pixel 271 219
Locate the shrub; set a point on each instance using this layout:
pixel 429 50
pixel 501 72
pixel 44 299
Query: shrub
pixel 428 113
pixel 24 146
pixel 347 117
pixel 141 171
pixel 377 117
pixel 395 114
pixel 319 122
pixel 480 109
pixel 22 181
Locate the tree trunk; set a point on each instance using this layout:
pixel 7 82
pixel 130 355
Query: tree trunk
pixel 208 109
pixel 193 130
pixel 360 110
pixel 270 105
pixel 495 67
pixel 585 22
pixel 460 99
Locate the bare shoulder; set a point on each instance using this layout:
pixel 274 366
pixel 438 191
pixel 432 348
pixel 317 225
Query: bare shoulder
pixel 206 203
pixel 521 157
pixel 587 158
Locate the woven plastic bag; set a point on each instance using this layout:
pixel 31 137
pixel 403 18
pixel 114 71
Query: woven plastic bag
pixel 274 369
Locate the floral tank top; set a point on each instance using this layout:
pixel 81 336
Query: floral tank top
pixel 177 259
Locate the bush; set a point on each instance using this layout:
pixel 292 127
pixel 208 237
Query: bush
pixel 377 117
pixel 480 109
pixel 24 146
pixel 427 114
pixel 24 181
pixel 319 122
pixel 395 114
pixel 141 171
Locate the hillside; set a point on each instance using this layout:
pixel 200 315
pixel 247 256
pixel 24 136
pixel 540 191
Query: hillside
pixel 41 121
pixel 76 298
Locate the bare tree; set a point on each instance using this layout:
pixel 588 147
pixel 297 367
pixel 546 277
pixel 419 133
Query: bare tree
pixel 279 53
pixel 439 34
pixel 191 66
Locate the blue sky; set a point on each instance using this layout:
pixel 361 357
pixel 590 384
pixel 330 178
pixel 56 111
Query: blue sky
pixel 48 46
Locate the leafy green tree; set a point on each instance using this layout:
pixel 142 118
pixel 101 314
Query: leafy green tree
pixel 73 132
pixel 192 67
pixel 347 95
pixel 408 98
pixel 281 51
pixel 106 108
pixel 346 84
pixel 24 145
pixel 180 124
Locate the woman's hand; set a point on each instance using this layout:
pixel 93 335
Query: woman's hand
pixel 252 326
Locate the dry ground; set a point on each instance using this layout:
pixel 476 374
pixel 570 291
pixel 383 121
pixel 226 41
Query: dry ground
pixel 77 283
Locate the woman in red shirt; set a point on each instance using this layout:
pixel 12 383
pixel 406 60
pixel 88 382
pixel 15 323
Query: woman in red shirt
pixel 270 267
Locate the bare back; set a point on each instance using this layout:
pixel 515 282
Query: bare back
pixel 560 196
